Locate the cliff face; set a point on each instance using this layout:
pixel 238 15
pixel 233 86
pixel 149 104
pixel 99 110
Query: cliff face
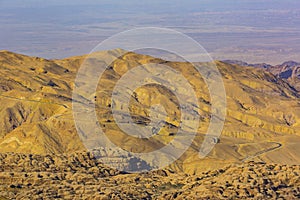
pixel 263 111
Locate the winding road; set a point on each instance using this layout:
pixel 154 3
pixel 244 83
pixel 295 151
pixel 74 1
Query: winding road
pixel 278 146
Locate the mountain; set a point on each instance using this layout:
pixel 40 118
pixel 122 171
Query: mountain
pixel 289 71
pixel 245 64
pixel 262 123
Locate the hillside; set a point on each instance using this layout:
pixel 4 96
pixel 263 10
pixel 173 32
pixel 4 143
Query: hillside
pixel 262 122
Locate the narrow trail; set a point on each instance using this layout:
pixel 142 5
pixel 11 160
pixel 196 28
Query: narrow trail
pixel 278 146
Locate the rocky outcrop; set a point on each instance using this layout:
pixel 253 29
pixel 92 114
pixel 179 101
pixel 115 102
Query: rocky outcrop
pixel 80 176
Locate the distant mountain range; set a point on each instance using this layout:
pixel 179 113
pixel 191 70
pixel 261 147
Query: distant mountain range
pixel 289 70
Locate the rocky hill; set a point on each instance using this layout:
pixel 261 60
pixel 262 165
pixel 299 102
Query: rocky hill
pixel 262 123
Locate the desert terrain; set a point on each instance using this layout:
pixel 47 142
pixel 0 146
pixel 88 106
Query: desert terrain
pixel 42 155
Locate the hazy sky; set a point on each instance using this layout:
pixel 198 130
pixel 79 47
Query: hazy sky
pixel 254 31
